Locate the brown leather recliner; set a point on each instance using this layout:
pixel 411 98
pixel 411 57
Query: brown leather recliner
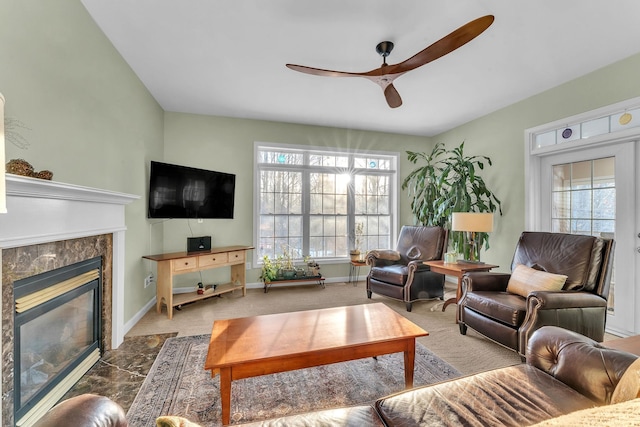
pixel 86 410
pixel 580 306
pixel 401 273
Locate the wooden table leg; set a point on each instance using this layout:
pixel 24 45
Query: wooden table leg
pixel 409 360
pixel 225 394
pixel 458 295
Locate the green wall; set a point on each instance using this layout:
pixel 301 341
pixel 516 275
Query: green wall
pixel 500 135
pixel 90 119
pixel 226 145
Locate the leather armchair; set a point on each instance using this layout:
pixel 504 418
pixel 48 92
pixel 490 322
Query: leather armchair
pixel 401 274
pixel 580 306
pixel 85 410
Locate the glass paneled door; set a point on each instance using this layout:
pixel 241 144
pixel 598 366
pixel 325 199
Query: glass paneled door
pixel 592 192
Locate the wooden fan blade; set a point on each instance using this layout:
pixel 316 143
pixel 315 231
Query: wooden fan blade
pixel 321 72
pixel 445 45
pixel 392 96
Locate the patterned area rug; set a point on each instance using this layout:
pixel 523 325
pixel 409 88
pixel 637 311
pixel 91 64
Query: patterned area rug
pixel 177 384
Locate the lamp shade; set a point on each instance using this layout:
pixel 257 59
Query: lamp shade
pixel 472 221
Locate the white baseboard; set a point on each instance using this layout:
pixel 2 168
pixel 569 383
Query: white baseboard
pixel 136 318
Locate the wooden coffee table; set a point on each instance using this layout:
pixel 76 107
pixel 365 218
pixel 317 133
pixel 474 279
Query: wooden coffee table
pixel 261 345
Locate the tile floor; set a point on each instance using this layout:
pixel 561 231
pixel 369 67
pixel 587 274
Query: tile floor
pixel 120 373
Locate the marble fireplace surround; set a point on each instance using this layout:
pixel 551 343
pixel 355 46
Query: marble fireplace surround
pixel 68 223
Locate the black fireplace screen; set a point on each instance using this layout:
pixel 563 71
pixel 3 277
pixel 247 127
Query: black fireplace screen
pixel 57 325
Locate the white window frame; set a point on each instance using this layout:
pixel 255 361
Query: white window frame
pixel 393 187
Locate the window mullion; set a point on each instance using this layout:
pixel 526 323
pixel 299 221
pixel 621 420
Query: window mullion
pixel 351 205
pixel 306 207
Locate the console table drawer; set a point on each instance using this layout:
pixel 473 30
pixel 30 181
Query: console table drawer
pixel 212 259
pixel 236 257
pixel 184 263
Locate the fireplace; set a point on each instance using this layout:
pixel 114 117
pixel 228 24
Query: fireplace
pixel 57 334
pixel 49 226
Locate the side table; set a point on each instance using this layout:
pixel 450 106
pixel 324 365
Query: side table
pixel 457 269
pixel 354 271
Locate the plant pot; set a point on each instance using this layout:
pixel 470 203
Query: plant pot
pixel 288 274
pixel 355 255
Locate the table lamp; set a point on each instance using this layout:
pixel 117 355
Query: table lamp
pixel 472 223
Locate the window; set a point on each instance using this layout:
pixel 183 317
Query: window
pixel 584 197
pixel 310 199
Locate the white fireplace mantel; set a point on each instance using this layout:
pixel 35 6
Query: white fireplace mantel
pixel 41 211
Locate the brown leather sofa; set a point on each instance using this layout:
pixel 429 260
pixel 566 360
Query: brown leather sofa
pixel 488 307
pixel 87 410
pixel 401 274
pixel 565 372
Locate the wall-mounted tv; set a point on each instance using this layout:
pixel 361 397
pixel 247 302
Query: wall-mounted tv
pixel 185 192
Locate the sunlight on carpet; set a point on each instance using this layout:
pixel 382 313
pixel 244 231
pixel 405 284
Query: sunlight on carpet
pixel 177 384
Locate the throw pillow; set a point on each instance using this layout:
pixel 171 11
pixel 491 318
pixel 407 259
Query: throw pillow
pixel 628 387
pixel 621 414
pixel 174 421
pixel 525 279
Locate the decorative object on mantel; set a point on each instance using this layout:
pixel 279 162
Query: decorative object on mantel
pixel 24 168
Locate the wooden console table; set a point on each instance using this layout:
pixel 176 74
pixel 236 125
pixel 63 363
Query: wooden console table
pixel 176 263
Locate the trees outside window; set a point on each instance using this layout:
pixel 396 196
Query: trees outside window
pixel 310 200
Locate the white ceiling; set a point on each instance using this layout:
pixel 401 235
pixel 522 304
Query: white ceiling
pixel 227 58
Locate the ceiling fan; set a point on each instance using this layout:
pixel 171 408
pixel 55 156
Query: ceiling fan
pixel 386 74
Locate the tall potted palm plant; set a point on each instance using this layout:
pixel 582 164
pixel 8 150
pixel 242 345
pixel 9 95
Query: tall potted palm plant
pixel 447 181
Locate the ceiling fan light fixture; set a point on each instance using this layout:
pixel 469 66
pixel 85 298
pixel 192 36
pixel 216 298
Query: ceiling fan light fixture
pixel 384 48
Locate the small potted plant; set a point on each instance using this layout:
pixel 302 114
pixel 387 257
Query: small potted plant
pixel 288 269
pixel 269 269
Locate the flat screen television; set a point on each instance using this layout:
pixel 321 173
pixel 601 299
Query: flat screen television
pixel 185 192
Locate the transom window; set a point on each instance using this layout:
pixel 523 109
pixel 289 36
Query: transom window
pixel 311 199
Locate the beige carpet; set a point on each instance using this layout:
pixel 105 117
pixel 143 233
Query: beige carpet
pixel 469 353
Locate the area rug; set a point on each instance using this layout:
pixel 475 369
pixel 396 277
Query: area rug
pixel 177 384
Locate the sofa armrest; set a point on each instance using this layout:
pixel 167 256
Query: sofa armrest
pixel 86 410
pixel 418 265
pixel 485 281
pixel 546 300
pixel 578 361
pixel 580 312
pixel 378 257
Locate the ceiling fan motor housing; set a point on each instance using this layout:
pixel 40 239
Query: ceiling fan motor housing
pixel 384 48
